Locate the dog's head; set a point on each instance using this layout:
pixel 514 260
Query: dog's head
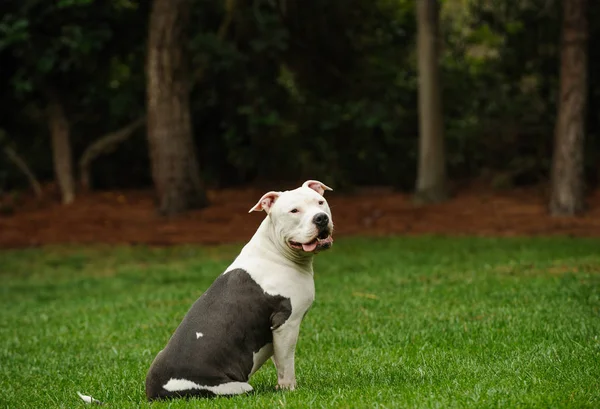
pixel 301 218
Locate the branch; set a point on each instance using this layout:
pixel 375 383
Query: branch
pixel 23 167
pixel 230 6
pixel 103 145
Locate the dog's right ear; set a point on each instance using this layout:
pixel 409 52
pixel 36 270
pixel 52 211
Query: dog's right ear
pixel 317 186
pixel 265 202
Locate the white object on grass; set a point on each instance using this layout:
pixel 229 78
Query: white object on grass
pixel 89 399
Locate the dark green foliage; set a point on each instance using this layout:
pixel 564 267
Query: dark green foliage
pixel 503 124
pixel 87 53
pixel 310 91
pixel 299 88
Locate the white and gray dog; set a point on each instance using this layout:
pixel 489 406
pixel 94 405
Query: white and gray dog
pixel 254 309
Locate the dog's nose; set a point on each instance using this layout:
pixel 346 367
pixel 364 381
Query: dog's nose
pixel 321 219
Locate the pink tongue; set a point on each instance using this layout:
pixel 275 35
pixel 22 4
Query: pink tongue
pixel 309 246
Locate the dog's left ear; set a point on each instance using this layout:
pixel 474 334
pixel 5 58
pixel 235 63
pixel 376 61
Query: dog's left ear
pixel 317 186
pixel 265 202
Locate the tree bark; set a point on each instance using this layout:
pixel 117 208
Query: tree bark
pixel 567 179
pixel 431 172
pixel 61 147
pixel 175 169
pixel 103 145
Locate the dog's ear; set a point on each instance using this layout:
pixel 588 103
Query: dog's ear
pixel 266 202
pixel 317 186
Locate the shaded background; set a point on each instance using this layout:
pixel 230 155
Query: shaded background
pixel 283 91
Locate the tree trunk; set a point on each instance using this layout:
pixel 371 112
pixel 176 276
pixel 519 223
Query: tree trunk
pixel 103 145
pixel 61 148
pixel 431 177
pixel 567 181
pixel 175 169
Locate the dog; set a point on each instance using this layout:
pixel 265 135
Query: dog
pixel 253 310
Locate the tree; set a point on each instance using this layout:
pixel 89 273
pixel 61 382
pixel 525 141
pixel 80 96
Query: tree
pixel 103 145
pixel 62 55
pixel 60 133
pixel 431 174
pixel 567 179
pixel 175 169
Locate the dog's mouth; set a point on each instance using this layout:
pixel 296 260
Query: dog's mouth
pixel 322 242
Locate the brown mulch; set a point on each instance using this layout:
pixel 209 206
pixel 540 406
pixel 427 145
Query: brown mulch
pixel 129 217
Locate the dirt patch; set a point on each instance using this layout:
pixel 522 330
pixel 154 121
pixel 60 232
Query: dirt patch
pixel 557 270
pixel 129 217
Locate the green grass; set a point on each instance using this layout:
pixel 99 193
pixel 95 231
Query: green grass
pixel 398 323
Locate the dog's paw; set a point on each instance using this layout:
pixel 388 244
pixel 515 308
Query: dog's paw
pixel 286 385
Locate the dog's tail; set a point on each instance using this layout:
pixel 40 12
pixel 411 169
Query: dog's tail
pixel 89 399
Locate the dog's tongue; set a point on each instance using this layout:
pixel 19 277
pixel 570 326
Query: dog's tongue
pixel 308 247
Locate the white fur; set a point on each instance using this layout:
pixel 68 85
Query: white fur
pixel 282 270
pixel 276 274
pixel 260 357
pixel 268 257
pixel 230 388
pixel 298 227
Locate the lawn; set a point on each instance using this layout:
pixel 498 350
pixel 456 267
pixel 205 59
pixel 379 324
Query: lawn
pixel 401 322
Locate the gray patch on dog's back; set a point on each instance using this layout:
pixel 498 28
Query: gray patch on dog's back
pixel 235 317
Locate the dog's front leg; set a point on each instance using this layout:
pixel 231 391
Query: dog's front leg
pixel 284 347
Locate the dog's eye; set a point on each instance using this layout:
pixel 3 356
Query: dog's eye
pixel 321 202
pixel 294 211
